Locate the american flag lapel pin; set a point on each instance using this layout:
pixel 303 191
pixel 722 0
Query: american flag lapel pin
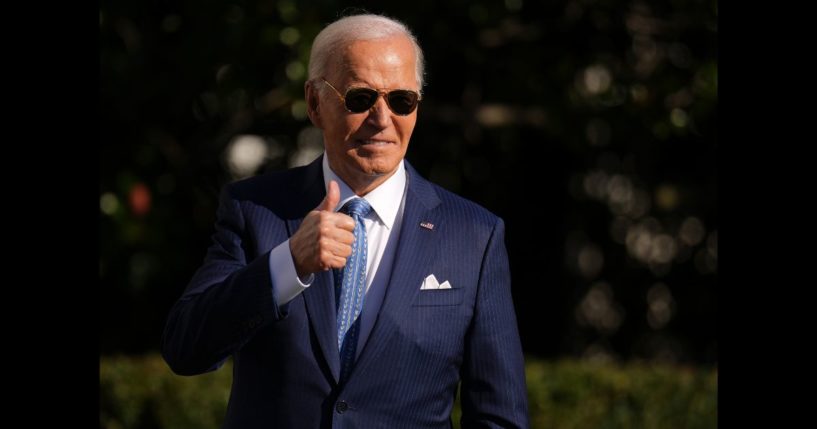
pixel 427 225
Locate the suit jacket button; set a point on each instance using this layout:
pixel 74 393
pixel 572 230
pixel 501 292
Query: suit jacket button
pixel 341 407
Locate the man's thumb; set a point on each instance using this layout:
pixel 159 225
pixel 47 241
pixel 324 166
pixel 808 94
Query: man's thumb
pixel 332 197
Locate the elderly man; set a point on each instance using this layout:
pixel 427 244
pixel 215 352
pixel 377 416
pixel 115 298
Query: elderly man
pixel 353 293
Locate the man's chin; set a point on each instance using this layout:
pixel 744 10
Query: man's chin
pixel 375 172
pixel 377 169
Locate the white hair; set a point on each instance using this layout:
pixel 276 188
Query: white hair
pixel 346 30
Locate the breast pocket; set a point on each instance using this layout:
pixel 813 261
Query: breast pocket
pixel 439 297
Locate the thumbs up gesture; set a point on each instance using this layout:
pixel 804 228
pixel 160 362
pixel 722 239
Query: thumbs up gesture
pixel 324 239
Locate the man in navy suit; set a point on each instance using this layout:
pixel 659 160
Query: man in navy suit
pixel 351 292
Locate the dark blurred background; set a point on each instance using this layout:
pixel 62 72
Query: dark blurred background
pixel 588 126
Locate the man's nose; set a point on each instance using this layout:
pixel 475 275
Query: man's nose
pixel 379 114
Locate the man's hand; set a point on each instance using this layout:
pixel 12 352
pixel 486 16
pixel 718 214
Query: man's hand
pixel 324 239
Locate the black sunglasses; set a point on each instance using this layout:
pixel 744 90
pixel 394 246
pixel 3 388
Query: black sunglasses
pixel 360 99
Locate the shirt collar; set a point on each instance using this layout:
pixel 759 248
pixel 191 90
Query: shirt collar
pixel 384 199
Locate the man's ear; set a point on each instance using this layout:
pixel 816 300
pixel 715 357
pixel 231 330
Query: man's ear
pixel 312 103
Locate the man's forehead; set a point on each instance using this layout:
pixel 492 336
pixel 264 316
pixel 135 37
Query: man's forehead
pixel 392 56
pixel 395 45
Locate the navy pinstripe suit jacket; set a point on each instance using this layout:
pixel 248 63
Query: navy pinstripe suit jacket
pixel 421 346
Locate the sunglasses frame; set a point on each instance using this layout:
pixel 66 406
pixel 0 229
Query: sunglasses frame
pixel 380 93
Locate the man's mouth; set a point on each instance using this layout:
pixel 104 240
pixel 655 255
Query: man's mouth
pixel 372 142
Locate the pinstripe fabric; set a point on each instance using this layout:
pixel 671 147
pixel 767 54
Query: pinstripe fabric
pixel 422 344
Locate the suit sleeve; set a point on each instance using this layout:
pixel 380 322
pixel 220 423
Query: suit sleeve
pixel 225 303
pixel 493 390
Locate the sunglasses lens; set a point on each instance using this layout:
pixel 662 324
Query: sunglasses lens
pixel 402 102
pixel 360 99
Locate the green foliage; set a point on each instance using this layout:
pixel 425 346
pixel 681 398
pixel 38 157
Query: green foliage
pixel 141 392
pixel 571 394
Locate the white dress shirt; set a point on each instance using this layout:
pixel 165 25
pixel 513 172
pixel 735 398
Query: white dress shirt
pixel 386 201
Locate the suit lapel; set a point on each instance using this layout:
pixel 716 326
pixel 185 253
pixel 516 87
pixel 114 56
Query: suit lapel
pixel 320 296
pixel 412 262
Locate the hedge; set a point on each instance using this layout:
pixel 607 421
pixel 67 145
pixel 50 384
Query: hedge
pixel 141 392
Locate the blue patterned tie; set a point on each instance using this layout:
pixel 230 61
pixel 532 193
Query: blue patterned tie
pixel 350 287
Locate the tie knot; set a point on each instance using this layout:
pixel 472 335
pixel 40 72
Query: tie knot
pixel 357 207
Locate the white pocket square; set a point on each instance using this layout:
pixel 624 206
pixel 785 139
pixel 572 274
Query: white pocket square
pixel 431 282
